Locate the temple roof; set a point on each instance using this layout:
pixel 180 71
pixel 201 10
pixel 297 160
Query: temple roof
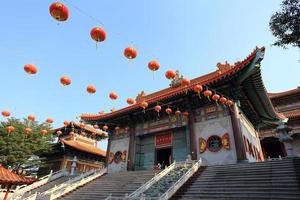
pixel 81 146
pixel 245 78
pixel 7 177
pixel 285 93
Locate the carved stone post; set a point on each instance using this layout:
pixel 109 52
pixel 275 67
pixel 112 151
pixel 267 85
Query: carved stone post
pixel 284 136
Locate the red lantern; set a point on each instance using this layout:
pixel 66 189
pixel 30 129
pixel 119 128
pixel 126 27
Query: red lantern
pixel 49 120
pixel 10 129
pixel 66 123
pixel 98 34
pixel 96 126
pixel 105 128
pixel 28 130
pixel 30 69
pixel 185 82
pixel 186 114
pixel 198 88
pixel 153 66
pixel 31 117
pixel 178 112
pixel 65 80
pixel 58 133
pixel 168 111
pixel 215 97
pixel 113 96
pixel 223 100
pixel 144 105
pixel 170 74
pixel 5 113
pixel 157 108
pixel 229 103
pixel 127 129
pixel 59 11
pixel 44 132
pixel 130 53
pixel 117 128
pixel 130 101
pixel 91 89
pixel 207 93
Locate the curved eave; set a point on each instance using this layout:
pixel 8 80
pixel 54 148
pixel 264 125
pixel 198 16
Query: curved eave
pixel 171 92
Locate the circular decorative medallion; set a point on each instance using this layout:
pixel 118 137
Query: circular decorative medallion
pixel 118 157
pixel 214 143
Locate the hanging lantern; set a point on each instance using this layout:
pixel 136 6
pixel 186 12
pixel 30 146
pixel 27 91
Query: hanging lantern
pixel 130 53
pixel 105 127
pixel 5 113
pixel 207 93
pixel 66 123
pixel 98 34
pixel 10 129
pixel 65 80
pixel 178 112
pixel 82 125
pixel 130 101
pixel 127 129
pixel 170 74
pixel 157 109
pixel 186 114
pixel 117 129
pixel 144 105
pixel 28 130
pixel 184 83
pixel 44 132
pixel 229 103
pixel 59 11
pixel 30 69
pixel 153 66
pixel 216 97
pixel 49 120
pixel 31 117
pixel 96 126
pixel 91 89
pixel 198 88
pixel 223 100
pixel 113 96
pixel 58 133
pixel 168 111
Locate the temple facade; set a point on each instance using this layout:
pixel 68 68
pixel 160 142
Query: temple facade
pixel 76 149
pixel 194 126
pixel 274 142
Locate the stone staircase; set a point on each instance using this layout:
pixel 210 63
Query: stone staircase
pixel 278 179
pixel 116 184
pixel 47 186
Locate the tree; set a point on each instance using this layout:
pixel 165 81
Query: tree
pixel 285 24
pixel 19 150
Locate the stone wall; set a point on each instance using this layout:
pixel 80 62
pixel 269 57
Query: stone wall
pixel 119 151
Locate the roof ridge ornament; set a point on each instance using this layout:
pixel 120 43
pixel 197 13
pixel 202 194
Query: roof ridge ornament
pixel 176 82
pixel 224 67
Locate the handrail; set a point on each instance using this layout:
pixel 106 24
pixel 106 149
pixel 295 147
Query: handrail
pixel 148 184
pixel 19 191
pixel 72 184
pixel 173 189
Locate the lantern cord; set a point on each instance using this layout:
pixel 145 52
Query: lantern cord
pixel 83 12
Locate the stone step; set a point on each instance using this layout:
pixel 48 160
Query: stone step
pixel 235 197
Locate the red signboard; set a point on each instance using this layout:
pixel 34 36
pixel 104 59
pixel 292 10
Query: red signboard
pixel 163 140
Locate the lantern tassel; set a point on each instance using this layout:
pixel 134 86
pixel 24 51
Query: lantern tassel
pixel 97 45
pixel 153 75
pixel 199 95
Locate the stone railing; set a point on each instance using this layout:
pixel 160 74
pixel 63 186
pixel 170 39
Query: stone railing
pixel 20 190
pixel 71 185
pixel 175 187
pixel 148 184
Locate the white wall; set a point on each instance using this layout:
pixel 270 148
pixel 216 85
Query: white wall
pixel 218 126
pixel 118 144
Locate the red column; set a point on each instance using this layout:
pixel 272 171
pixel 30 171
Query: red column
pixel 7 191
pixel 193 140
pixel 237 132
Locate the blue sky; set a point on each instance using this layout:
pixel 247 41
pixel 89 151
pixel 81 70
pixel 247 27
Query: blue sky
pixel 188 35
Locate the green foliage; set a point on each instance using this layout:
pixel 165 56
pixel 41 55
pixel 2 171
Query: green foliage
pixel 285 24
pixel 17 147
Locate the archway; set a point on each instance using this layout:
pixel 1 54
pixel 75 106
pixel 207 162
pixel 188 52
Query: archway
pixel 272 147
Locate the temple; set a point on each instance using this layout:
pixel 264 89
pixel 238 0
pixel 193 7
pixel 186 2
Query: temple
pixel 283 140
pixel 77 144
pixel 219 134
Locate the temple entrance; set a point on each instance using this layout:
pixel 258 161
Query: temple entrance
pixel 164 156
pixel 273 148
